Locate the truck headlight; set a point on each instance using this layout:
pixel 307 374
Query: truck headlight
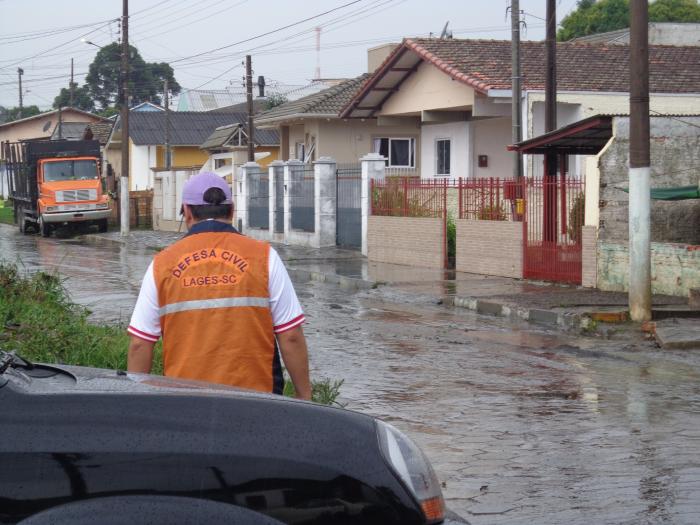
pixel 413 468
pixel 51 208
pixel 102 205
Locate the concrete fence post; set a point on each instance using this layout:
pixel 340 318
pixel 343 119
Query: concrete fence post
pixel 288 167
pixel 325 201
pixel 373 166
pixel 242 215
pixel 273 168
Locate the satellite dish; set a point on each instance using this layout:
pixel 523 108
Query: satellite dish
pixel 47 125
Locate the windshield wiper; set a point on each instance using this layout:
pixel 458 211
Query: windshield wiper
pixel 12 360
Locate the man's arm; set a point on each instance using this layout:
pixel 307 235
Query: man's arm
pixel 292 345
pixel 140 358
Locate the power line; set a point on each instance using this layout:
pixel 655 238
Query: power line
pixel 282 28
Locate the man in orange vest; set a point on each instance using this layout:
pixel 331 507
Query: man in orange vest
pixel 222 302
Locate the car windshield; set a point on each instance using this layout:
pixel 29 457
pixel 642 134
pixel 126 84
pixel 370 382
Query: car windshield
pixel 70 170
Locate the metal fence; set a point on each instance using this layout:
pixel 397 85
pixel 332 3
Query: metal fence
pixel 409 197
pixel 349 205
pixel 301 197
pixel 490 199
pixel 258 199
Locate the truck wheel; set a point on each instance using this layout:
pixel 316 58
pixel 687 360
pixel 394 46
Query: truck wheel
pixel 44 228
pixel 102 225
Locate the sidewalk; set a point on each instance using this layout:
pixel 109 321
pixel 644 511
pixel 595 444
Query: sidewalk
pixel 564 307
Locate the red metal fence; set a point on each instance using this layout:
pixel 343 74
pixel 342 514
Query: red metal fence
pixel 409 197
pixel 552 227
pixel 552 213
pixel 490 199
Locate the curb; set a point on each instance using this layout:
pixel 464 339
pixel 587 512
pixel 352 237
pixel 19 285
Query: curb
pixel 562 320
pixel 345 283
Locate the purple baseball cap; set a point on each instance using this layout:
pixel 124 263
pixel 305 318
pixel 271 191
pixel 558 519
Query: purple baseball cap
pixel 194 189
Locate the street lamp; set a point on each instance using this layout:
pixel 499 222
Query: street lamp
pixel 86 41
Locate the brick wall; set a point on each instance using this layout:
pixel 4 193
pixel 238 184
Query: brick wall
pixel 490 247
pixel 140 209
pixel 406 240
pixel 675 268
pixel 589 270
pixel 675 155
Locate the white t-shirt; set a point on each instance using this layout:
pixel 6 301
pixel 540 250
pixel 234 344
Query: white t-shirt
pixel 284 304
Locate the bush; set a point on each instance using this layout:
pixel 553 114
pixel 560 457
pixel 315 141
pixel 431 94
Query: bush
pixel 492 213
pixel 576 218
pixel 451 236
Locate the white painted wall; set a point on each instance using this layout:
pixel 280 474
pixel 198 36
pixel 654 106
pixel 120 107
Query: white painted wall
pixel 139 175
pixel 458 133
pixel 491 137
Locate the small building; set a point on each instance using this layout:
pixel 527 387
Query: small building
pixel 228 147
pixel 147 139
pixel 457 95
pixel 43 125
pixel 311 127
pixel 675 206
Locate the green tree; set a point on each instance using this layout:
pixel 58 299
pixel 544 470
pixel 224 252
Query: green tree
pixel 145 78
pixel 592 17
pixel 274 100
pixel 674 11
pixel 10 114
pixel 81 98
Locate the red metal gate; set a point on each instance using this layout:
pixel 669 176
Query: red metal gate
pixel 552 229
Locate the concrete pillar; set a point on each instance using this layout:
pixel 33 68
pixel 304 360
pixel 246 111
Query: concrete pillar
pixel 288 166
pixel 242 213
pixel 325 201
pixel 373 166
pixel 273 169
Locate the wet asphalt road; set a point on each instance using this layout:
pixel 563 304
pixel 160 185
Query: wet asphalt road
pixel 522 425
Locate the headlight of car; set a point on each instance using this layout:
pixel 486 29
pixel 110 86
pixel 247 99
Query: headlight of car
pixel 414 469
pixel 102 205
pixel 51 208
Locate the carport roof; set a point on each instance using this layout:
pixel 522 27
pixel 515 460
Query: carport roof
pixel 585 137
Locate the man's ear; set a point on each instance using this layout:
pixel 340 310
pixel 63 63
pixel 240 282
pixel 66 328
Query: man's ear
pixel 187 212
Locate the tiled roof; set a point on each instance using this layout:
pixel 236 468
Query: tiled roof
pixel 486 65
pixel 187 128
pixel 580 67
pixel 328 102
pixel 222 135
pixel 100 131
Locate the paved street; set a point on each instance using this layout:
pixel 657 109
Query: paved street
pixel 521 424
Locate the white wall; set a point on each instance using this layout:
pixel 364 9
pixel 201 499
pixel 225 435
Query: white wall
pixel 139 176
pixel 458 133
pixel 491 137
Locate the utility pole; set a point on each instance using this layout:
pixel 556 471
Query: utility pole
pixel 124 181
pixel 72 85
pixel 549 211
pixel 168 150
pixel 20 72
pixel 639 170
pixel 516 87
pixel 249 96
pixel 60 123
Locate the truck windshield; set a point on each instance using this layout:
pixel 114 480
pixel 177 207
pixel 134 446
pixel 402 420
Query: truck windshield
pixel 70 170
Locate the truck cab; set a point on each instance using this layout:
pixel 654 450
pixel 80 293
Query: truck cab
pixel 70 190
pixel 54 183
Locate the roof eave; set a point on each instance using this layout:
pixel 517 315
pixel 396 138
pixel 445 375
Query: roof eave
pixel 294 116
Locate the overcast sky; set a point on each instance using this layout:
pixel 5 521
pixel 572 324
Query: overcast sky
pixel 41 36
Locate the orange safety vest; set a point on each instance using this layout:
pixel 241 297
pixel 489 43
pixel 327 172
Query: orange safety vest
pixel 214 308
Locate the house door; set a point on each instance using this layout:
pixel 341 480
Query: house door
pixel 348 218
pixel 552 228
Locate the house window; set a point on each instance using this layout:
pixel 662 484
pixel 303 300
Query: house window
pixel 442 154
pixel 399 152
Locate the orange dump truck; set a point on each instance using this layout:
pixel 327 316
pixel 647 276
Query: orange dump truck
pixel 56 183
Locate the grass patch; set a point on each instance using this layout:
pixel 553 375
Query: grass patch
pixel 41 323
pixel 6 213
